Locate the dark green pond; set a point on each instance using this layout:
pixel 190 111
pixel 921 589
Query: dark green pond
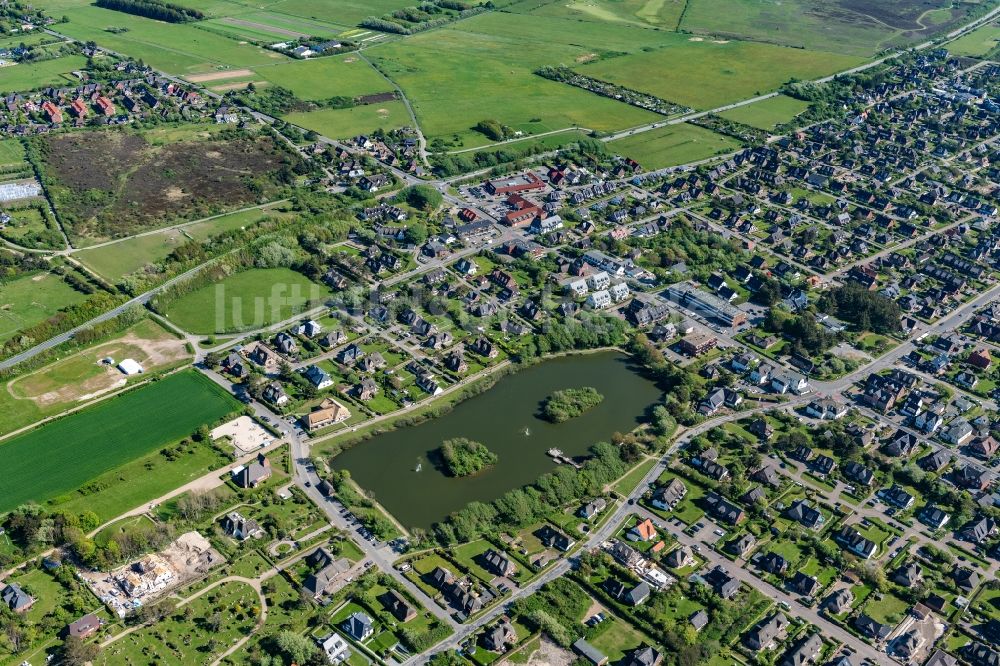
pixel 504 419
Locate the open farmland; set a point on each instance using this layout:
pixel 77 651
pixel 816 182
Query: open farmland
pixel 707 74
pixel 322 78
pixel 501 52
pixel 672 145
pixel 68 382
pixel 663 14
pixel 176 48
pixel 855 27
pixel 344 12
pixel 148 180
pixel 60 456
pixel 768 113
pixel 250 299
pixel 31 299
pixel 34 75
pixel 345 123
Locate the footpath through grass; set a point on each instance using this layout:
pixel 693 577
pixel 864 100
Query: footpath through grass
pixel 61 456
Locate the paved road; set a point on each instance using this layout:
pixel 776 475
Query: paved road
pixel 142 299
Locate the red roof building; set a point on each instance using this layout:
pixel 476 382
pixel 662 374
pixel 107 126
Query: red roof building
pixel 467 215
pixel 78 107
pixel 52 112
pixel 523 217
pixel 105 105
pixel 981 359
pixel 524 183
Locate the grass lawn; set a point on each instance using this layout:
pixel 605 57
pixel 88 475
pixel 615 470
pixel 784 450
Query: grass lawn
pixel 616 637
pixel 887 610
pixel 248 299
pixel 45 589
pixel 29 300
pixel 345 123
pixel 117 260
pixel 322 78
pixel 11 152
pixel 707 74
pixel 979 42
pixel 34 75
pixel 467 555
pixel 625 485
pixel 672 145
pixel 59 457
pixel 768 113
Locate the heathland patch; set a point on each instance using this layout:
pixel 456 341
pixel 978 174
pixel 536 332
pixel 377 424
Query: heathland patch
pixel 107 184
pixel 59 457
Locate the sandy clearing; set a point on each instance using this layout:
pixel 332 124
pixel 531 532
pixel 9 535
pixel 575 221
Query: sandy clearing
pixel 549 654
pixel 152 354
pixel 217 76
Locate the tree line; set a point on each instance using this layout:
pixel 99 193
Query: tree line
pixel 153 9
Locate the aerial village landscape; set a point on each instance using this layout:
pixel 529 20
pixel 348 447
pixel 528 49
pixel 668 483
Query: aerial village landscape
pixel 503 332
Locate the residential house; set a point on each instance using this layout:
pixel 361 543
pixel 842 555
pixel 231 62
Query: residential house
pixel 358 626
pixel 275 394
pixel 235 525
pixel 325 414
pixel 498 563
pixel 766 632
pixel 591 509
pixel 666 497
pixel 253 473
pixel 839 601
pixel 803 513
pixel 643 531
pixel 500 638
pixel 317 377
pixel 84 627
pixel 933 516
pixel 400 609
pixel 16 599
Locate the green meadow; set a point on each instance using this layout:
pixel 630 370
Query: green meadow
pixel 249 299
pixel 977 43
pixel 60 456
pixel 322 78
pixel 34 75
pixel 176 48
pixel 483 68
pixel 672 145
pixel 345 123
pixel 28 300
pixel 117 260
pixel 768 113
pixel 706 74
